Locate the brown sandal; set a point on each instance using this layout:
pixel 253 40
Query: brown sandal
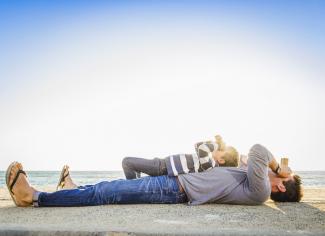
pixel 10 187
pixel 62 177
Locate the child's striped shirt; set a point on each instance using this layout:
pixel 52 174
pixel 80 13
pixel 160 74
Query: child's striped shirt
pixel 196 162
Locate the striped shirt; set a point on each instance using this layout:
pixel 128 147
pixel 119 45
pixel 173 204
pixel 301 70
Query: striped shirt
pixel 196 162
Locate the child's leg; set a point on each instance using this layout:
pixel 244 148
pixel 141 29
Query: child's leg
pixel 133 166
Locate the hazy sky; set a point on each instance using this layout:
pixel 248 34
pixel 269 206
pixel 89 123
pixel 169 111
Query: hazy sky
pixel 89 82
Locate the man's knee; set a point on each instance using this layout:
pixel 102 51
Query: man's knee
pixel 126 162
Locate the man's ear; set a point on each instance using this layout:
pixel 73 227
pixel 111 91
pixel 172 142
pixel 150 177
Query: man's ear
pixel 281 187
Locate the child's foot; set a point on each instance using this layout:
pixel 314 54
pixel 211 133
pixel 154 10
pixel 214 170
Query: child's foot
pixel 65 180
pixel 21 191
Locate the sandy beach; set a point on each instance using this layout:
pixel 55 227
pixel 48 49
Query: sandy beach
pixel 307 217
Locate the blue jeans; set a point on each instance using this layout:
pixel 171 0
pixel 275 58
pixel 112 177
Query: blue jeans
pixel 160 189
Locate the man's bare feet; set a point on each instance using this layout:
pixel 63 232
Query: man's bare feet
pixel 67 182
pixel 22 191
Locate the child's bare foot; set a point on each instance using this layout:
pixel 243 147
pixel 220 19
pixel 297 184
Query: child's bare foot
pixel 21 191
pixel 65 181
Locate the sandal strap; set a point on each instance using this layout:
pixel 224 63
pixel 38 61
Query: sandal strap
pixel 16 178
pixel 63 179
pixel 65 176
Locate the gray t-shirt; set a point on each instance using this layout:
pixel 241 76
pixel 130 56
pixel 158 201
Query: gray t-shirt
pixel 231 185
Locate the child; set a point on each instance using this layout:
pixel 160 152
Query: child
pixel 208 155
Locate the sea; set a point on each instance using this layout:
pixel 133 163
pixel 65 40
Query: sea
pixel 314 179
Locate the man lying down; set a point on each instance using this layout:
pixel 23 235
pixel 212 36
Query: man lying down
pixel 263 178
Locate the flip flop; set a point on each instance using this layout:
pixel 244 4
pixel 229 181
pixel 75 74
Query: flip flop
pixel 10 187
pixel 62 177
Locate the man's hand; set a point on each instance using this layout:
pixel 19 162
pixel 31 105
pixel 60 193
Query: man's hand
pixel 284 171
pixel 281 171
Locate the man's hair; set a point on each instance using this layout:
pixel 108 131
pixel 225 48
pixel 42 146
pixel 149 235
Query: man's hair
pixel 231 157
pixel 293 193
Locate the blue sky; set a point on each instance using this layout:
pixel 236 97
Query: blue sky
pixel 30 26
pixel 73 71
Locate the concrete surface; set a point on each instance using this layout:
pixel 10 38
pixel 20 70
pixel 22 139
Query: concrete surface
pixel 306 218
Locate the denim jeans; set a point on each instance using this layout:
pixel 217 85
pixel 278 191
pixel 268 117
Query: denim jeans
pixel 160 189
pixel 134 166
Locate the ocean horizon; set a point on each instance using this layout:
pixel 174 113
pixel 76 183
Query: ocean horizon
pixel 50 178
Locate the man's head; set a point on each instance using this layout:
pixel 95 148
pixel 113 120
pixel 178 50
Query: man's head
pixel 228 157
pixel 285 189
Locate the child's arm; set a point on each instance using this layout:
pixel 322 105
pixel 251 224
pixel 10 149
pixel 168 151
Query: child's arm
pixel 218 140
pixel 204 152
pixel 197 145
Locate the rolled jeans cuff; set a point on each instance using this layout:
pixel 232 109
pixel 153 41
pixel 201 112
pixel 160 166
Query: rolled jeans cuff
pixel 35 198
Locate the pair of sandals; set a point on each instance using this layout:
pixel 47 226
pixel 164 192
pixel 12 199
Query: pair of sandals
pixel 64 174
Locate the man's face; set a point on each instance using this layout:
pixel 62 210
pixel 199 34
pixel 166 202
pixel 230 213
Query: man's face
pixel 277 182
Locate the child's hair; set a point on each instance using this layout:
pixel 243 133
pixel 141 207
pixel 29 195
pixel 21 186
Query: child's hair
pixel 231 157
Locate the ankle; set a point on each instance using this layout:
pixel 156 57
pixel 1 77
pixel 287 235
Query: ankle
pixel 28 196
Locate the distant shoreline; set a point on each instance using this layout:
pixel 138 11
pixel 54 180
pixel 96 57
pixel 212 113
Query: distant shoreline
pixel 313 179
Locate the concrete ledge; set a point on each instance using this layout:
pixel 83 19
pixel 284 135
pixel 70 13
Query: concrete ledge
pixel 8 232
pixel 306 218
pixel 59 233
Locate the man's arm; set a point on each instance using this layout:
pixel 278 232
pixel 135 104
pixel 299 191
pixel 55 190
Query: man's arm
pixel 281 171
pixel 258 162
